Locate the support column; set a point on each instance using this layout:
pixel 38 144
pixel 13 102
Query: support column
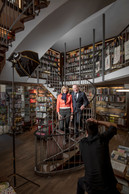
pixel 64 63
pixel 103 47
pixel 37 75
pixel 79 61
pixel 93 55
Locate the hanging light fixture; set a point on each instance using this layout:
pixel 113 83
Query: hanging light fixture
pixel 123 90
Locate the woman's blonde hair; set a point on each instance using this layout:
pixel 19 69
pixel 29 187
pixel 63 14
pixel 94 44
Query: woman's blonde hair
pixel 64 87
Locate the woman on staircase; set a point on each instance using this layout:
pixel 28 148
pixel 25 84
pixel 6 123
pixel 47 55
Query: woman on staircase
pixel 64 110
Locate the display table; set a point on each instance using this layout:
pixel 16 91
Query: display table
pixel 5 188
pixel 120 165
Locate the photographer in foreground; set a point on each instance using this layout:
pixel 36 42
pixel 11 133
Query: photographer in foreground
pixel 99 177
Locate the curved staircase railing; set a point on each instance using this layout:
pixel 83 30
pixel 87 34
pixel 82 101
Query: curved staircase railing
pixel 53 154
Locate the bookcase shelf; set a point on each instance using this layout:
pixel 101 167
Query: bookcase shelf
pixel 50 60
pixel 18 108
pixel 32 99
pixel 50 66
pixel 72 62
pixel 3 110
pixel 44 111
pixel 112 105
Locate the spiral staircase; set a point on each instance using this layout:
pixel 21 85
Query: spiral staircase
pixel 53 154
pixel 13 15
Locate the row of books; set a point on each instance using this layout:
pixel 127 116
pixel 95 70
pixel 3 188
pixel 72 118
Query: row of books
pixel 40 115
pixel 112 98
pixel 108 91
pixel 52 53
pixel 41 108
pixel 42 99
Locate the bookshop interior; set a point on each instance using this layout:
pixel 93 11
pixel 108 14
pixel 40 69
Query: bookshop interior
pixel 49 50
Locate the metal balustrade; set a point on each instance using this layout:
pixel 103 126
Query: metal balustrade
pixel 53 154
pixel 116 54
pixel 90 64
pixel 54 81
pixel 56 151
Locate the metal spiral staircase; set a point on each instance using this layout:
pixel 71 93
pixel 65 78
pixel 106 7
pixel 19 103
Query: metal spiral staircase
pixel 52 154
pixel 13 15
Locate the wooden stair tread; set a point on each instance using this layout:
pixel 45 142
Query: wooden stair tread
pixel 41 5
pixel 52 165
pixel 27 18
pixel 17 29
pixel 3 46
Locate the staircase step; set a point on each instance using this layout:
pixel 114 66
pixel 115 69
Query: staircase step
pixel 18 29
pixel 2 55
pixel 3 47
pixel 41 5
pixel 54 165
pixel 27 18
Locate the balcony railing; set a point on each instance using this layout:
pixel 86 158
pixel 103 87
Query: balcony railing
pixel 116 54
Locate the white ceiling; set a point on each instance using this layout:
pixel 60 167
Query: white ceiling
pixel 116 19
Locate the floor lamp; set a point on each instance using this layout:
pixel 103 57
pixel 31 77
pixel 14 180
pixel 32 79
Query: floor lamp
pixel 23 63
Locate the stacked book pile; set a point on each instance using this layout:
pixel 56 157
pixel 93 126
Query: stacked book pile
pixel 120 161
pixel 5 188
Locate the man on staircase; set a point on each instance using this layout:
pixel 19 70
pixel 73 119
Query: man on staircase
pixel 80 102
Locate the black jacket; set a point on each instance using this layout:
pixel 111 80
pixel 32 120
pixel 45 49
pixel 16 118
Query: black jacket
pixel 95 154
pixel 81 100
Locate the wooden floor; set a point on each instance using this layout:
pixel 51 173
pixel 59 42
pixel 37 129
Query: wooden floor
pixel 25 150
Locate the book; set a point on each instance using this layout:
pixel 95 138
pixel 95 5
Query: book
pixel 127 173
pixel 118 168
pixel 119 156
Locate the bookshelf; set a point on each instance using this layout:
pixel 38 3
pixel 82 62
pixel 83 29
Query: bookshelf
pixel 116 57
pixel 44 112
pixel 3 110
pixel 18 108
pixel 50 62
pixel 111 105
pixel 41 111
pixel 86 67
pixel 32 98
pixel 27 115
pixel 33 106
